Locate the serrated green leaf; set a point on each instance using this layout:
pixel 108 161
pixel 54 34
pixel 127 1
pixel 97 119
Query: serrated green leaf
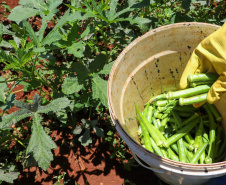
pixel 9 119
pixel 112 12
pixel 76 49
pixel 53 6
pixel 40 144
pixel 85 139
pixel 21 104
pixel 39 49
pixel 27 3
pixel 99 89
pixel 138 20
pixel 62 21
pixel 76 16
pixel 40 4
pixel 71 85
pixel 97 8
pixel 20 13
pixel 8 176
pixel 54 106
pixel 52 37
pixel 31 32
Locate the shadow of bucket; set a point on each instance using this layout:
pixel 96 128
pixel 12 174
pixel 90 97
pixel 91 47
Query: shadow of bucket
pixel 150 65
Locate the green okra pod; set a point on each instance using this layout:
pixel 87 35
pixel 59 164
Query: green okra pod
pixel 181 150
pixel 172 155
pixel 195 115
pixel 204 77
pixel 195 84
pixel 150 113
pixel 194 99
pixel 188 92
pixel 155 98
pixel 203 155
pixel 146 136
pixel 212 128
pixel 198 135
pixel 182 132
pixel 198 154
pixel 151 129
pixel 189 139
pixel 156 149
pixel 145 111
pixel 190 147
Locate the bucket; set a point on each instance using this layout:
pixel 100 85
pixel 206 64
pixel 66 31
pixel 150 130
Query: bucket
pixel 150 65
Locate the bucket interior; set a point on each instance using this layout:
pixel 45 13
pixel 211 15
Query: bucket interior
pixel 153 64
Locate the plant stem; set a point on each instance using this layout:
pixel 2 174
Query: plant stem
pixel 105 39
pixel 34 64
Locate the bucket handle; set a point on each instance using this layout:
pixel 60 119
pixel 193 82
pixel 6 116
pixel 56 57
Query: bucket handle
pixel 145 166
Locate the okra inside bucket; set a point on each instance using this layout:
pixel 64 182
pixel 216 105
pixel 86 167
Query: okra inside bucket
pixel 150 65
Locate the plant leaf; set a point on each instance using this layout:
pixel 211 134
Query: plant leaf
pixel 31 32
pixel 112 12
pixel 85 139
pixel 3 86
pixel 52 37
pixel 107 68
pixel 54 106
pixel 9 119
pixel 99 88
pixel 40 144
pixel 99 131
pixel 62 116
pixel 8 176
pixel 71 85
pixel 77 49
pixel 20 13
pixel 78 130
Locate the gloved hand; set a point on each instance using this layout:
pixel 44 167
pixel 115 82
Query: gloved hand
pixel 209 57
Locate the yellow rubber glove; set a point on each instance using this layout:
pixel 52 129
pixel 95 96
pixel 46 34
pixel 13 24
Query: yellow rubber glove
pixel 209 57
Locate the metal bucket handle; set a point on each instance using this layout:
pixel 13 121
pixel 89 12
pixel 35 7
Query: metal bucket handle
pixel 145 166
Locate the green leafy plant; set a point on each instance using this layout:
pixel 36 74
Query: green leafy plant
pixel 40 144
pixel 85 137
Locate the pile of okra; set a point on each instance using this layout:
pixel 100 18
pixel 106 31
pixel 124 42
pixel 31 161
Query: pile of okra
pixel 171 127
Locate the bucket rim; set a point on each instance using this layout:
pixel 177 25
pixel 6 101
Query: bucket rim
pixel 212 166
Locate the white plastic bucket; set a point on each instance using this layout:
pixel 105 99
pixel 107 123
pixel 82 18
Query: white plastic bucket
pixel 151 64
